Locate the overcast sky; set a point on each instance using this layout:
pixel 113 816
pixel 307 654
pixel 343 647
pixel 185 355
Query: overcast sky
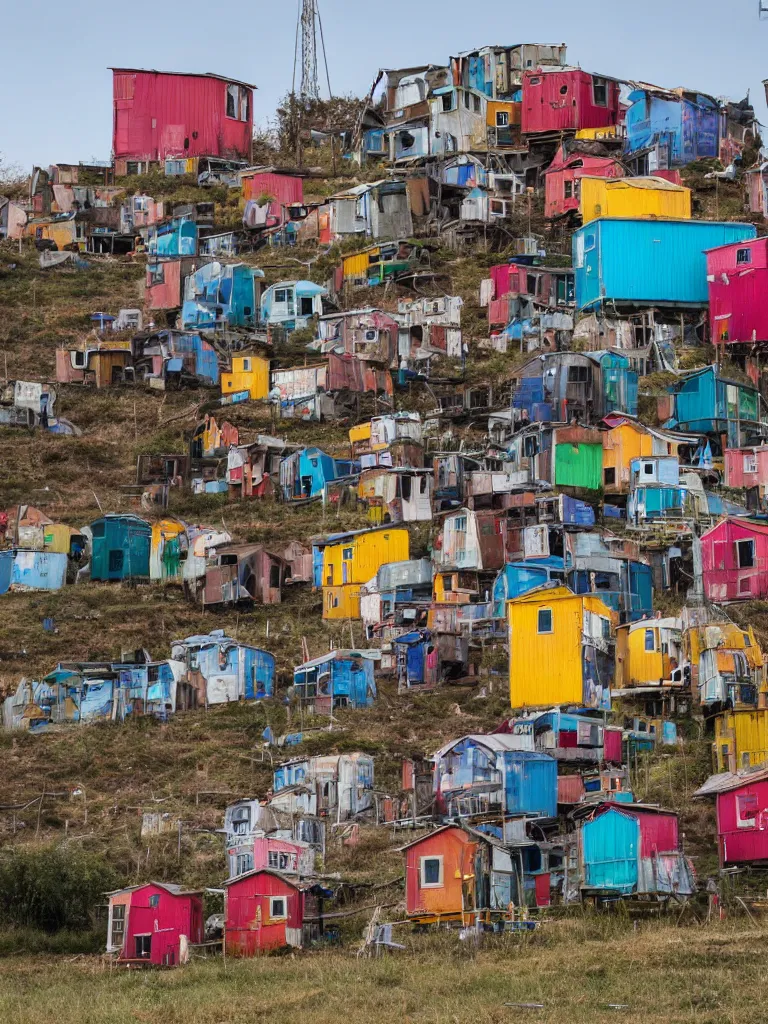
pixel 55 89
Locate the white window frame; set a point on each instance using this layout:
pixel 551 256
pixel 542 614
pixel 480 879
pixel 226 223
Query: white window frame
pixel 278 917
pixel 545 632
pixel 431 885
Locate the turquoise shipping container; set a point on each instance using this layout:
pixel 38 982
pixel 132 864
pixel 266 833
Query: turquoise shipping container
pixel 647 262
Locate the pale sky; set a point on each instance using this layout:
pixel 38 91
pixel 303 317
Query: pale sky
pixel 55 89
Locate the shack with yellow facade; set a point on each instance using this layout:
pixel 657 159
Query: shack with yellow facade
pixel 645 198
pixel 353 559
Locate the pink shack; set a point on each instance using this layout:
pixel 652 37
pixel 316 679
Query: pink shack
pixel 746 468
pixel 563 177
pixel 741 801
pixel 738 283
pixel 154 924
pixel 568 99
pixel 282 190
pixel 159 115
pixel 735 560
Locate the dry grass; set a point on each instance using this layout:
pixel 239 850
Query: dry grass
pixel 584 971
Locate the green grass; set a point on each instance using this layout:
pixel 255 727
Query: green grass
pixel 578 970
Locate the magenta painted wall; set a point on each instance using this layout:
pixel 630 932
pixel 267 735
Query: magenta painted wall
pixel 155 114
pixel 723 579
pixel 658 832
pixel 738 311
pixel 285 188
pixel 739 844
pixel 174 915
pixel 563 100
pixel 555 203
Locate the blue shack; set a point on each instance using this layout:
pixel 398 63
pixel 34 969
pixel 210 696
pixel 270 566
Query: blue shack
pixel 217 669
pixel 668 129
pixel 305 473
pixel 292 304
pixel 573 737
pixel 517 578
pixel 340 679
pixel 631 262
pixel 706 402
pixel 221 295
pixel 6 570
pixel 632 849
pixel 654 489
pixel 417 660
pixel 499 772
pixel 120 547
pixel 39 570
pixel 176 238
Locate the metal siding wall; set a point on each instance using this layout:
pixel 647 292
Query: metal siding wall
pixel 610 850
pixel 651 261
pixel 545 669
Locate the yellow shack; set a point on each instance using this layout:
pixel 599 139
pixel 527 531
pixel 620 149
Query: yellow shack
pixel 638 198
pixel 741 739
pixel 626 441
pixel 649 656
pixel 353 559
pixel 249 373
pixel 561 649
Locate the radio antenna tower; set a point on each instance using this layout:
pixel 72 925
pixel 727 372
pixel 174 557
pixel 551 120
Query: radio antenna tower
pixel 309 28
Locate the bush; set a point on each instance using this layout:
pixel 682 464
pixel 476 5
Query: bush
pixel 52 888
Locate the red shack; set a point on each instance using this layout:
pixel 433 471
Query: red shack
pixel 738 284
pixel 154 924
pixel 741 801
pixel 264 911
pixel 160 115
pixel 284 190
pixel 568 99
pixel 564 174
pixel 746 468
pixel 735 561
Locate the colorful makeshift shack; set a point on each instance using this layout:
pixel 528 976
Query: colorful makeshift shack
pixel 650 657
pixel 561 649
pixel 335 786
pixel 741 801
pixel 154 924
pixel 631 850
pixel 735 560
pixel 351 560
pixel 498 773
pixel 417 661
pixel 738 277
pixel 244 573
pixel 340 679
pixel 120 547
pixel 218 669
pixel 264 911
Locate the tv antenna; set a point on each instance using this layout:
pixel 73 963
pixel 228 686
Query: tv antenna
pixel 309 31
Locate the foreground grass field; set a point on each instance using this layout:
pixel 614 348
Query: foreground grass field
pixel 581 970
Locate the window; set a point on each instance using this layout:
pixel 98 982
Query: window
pixel 647 469
pixel 244 862
pixel 502 119
pixel 143 949
pixel 115 561
pixel 650 640
pixel 747 640
pixel 544 623
pixel 278 909
pixel 447 99
pixel 563 90
pixel 600 92
pixel 534 81
pixel 466 100
pixel 431 870
pixel 154 901
pixel 281 295
pixel 750 463
pixel 238 102
pixel 118 926
pixel 306 306
pixel 743 256
pixel 346 554
pixel 745 554
pixel 746 810
pixel 246 366
pixel 568 189
pixel 609 476
pixel 241 819
pixel 578 374
pixel 476 104
pixel 274 576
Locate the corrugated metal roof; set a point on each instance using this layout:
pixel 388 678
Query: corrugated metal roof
pixel 726 781
pixel 183 74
